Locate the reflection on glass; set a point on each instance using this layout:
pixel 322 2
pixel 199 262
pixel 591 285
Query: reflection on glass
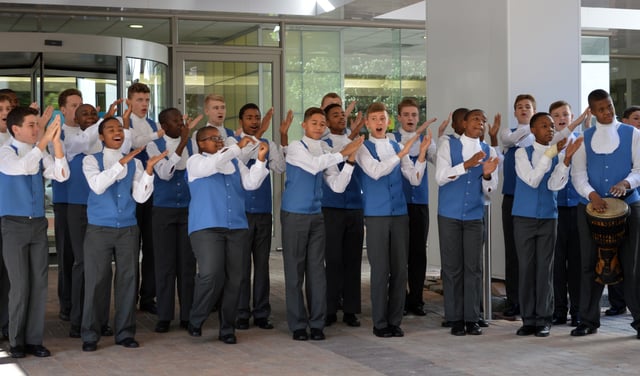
pixel 228 33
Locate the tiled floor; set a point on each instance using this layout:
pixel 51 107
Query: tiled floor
pixel 426 349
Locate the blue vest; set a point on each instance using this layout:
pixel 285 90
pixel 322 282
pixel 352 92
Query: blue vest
pixel 258 201
pixel 605 170
pixel 302 190
pixel 415 194
pixel 77 185
pixel 217 202
pixel 351 198
pixel 173 193
pixel 509 171
pixel 143 156
pixel 538 202
pixel 385 196
pixel 463 198
pixel 22 195
pixel 115 207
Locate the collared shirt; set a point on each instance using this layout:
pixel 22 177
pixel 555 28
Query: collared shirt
pixel 446 173
pixel 605 140
pixel 5 138
pixel 100 180
pixel 415 148
pixel 522 137
pixel 250 151
pixel 388 161
pixel 205 164
pixel 317 157
pixel 77 141
pixel 167 166
pixel 27 161
pixel 141 131
pixel 532 172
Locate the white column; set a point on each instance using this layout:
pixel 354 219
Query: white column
pixel 481 54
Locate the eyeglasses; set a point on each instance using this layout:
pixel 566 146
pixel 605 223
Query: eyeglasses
pixel 212 138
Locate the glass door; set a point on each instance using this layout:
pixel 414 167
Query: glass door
pixel 240 78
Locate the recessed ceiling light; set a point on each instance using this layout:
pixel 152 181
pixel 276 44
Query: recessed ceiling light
pixel 136 26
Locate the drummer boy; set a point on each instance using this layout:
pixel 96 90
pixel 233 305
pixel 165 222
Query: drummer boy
pixel 540 175
pixel 607 165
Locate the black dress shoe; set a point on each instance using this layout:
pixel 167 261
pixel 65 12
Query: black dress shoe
pixel 446 324
pixel 615 311
pixel 184 324
pixel 263 323
pixel 149 307
pixel 89 346
pixel 229 339
pixel 16 352
pixel 417 310
pixel 129 343
pixel 106 331
pixel 526 330
pixel 37 350
pixel 74 331
pixel 483 323
pixel 64 316
pixel 330 319
pixel 242 324
pixel 583 330
pixel 351 319
pixel 162 326
pixel 575 320
pixel 194 331
pixel 559 320
pixel 382 333
pixel 300 335
pixel 473 328
pixel 396 331
pixel 5 331
pixel 317 334
pixel 457 328
pixel 514 310
pixel 543 331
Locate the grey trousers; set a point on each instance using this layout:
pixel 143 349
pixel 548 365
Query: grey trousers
pixel 220 257
pixel 387 250
pixel 461 257
pixel 303 244
pixel 535 244
pixel 25 251
pixel 4 290
pixel 257 249
pixel 101 246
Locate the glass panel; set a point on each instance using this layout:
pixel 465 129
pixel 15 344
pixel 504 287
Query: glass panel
pixel 595 70
pixel 228 33
pixel 153 74
pixel 238 82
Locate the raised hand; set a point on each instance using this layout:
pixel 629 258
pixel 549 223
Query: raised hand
pixel 352 147
pixel 263 149
pixel 489 166
pixel 153 160
pixel 127 158
pixel 284 128
pixel 126 118
pixel 474 161
pixel 244 141
pixel 444 124
pixel 265 123
pixel 113 108
pixel 356 125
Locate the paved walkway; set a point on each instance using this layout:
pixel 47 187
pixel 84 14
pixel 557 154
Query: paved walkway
pixel 426 349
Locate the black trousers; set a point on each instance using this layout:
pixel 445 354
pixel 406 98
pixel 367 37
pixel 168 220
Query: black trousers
pixel 510 255
pixel 65 255
pixel 566 263
pixel 144 215
pixel 417 263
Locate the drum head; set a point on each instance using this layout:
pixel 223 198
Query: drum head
pixel 615 208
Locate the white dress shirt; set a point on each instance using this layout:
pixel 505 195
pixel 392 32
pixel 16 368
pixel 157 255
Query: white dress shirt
pixel 446 173
pixel 605 140
pixel 415 148
pixel 319 158
pixel 167 166
pixel 5 138
pixel 388 161
pixel 522 136
pixel 27 162
pixel 141 131
pixel 532 172
pixel 100 180
pixel 204 164
pixel 77 141
pixel 250 151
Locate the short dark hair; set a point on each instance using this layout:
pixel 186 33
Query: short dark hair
pixel 4 97
pixel 312 111
pixel 330 107
pixel 537 116
pixel 459 114
pixel 203 130
pixel 330 95
pixel 105 121
pixel 466 116
pixel 164 114
pixel 62 97
pixel 558 104
pixel 137 87
pixel 248 106
pixel 407 102
pixel 523 97
pixel 17 115
pixel 376 107
pixel 597 95
pixel 629 111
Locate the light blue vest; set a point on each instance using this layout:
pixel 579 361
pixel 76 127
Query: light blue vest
pixel 415 194
pixel 463 198
pixel 217 202
pixel 302 190
pixel 172 193
pixel 538 202
pixel 351 198
pixel 77 185
pixel 385 196
pixel 115 207
pixel 605 170
pixel 22 195
pixel 259 200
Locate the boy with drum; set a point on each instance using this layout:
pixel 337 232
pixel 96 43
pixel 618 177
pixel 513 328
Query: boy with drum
pixel 607 165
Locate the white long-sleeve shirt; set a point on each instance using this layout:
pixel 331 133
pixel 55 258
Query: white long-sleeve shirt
pixel 388 161
pixel 522 137
pixel 167 166
pixel 141 131
pixel 446 173
pixel 414 151
pixel 205 164
pixel 77 141
pixel 605 140
pixel 27 161
pixel 100 180
pixel 532 172
pixel 250 151
pixel 319 158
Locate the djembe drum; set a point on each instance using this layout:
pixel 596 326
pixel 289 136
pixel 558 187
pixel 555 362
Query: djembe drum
pixel 608 230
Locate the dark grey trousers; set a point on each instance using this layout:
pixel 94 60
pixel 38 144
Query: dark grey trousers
pixel 257 249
